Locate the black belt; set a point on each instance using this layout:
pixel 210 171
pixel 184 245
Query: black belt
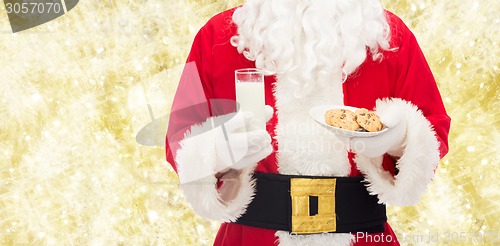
pixel 313 204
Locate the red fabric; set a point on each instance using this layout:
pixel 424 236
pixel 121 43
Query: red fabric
pixel 404 74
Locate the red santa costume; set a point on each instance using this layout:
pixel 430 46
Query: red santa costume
pixel 309 48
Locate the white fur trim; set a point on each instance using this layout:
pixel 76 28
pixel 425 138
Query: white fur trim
pixel 326 239
pixel 306 148
pixel 416 165
pixel 197 164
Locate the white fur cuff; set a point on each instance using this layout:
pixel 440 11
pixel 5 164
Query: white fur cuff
pixel 197 165
pixel 206 200
pixel 417 164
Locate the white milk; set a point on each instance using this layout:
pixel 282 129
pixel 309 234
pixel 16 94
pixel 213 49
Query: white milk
pixel 250 96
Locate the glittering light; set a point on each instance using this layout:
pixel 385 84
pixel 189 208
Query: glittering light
pixel 100 50
pixel 475 6
pixel 153 216
pixel 36 98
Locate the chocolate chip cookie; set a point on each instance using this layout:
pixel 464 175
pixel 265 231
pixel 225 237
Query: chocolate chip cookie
pixel 342 118
pixel 368 120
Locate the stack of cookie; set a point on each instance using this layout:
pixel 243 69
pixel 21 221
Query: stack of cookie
pixel 361 120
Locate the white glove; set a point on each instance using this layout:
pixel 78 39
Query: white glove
pixel 390 141
pixel 239 143
pixel 224 148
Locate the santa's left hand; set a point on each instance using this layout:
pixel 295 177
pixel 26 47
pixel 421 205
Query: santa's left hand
pixel 391 141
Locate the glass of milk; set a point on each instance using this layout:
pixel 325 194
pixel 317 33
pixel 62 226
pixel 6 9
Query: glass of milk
pixel 250 93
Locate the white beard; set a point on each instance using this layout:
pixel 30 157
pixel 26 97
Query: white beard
pixel 310 43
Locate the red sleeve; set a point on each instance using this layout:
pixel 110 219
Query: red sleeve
pixel 191 105
pixel 195 99
pixel 415 83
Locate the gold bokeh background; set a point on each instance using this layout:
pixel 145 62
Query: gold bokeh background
pixel 74 94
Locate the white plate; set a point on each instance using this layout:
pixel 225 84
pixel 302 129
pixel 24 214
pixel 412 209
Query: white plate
pixel 318 114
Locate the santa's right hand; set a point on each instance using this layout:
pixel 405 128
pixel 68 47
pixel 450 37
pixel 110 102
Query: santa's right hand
pixel 239 143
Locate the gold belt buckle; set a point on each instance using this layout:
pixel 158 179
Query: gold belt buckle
pixel 301 191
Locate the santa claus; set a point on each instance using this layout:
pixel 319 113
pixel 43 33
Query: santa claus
pixel 319 52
